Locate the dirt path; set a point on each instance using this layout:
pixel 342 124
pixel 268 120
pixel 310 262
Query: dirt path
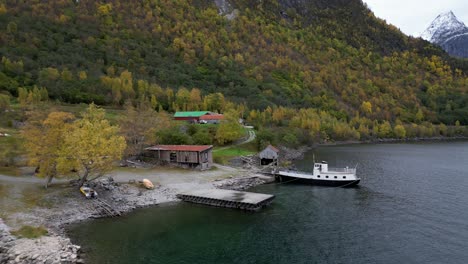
pixel 20 179
pixel 249 139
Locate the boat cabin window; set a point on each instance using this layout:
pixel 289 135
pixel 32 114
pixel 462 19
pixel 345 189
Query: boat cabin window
pixel 326 176
pixel 318 176
pixel 336 177
pixel 344 177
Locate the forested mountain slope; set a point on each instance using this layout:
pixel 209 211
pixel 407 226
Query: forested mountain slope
pixel 332 55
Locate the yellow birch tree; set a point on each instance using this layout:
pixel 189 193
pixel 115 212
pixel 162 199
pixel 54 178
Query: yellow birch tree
pixel 91 147
pixel 43 141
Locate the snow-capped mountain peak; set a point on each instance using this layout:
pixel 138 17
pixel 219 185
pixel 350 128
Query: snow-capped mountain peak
pixel 444 25
pixel 449 33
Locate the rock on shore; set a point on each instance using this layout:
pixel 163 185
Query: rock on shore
pixel 243 183
pixel 6 242
pixel 290 154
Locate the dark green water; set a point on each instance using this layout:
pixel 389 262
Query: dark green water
pixel 411 207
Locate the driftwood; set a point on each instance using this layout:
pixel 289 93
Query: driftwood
pixel 103 209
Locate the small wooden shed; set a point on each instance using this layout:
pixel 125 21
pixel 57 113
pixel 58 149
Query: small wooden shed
pixel 189 156
pixel 269 155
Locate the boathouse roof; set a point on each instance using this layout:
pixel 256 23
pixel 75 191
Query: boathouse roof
pixel 273 148
pixel 191 148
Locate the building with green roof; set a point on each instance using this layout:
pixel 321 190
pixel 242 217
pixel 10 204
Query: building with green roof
pixel 191 115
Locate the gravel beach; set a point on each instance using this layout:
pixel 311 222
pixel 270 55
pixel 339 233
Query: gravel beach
pixel 120 190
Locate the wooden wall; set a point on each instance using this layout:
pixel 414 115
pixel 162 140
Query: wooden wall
pixel 193 158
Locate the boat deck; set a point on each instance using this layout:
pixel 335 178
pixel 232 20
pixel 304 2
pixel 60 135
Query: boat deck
pixel 228 198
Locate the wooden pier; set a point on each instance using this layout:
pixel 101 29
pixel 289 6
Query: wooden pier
pixel 227 198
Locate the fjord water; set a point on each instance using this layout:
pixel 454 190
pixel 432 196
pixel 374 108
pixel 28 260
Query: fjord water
pixel 411 207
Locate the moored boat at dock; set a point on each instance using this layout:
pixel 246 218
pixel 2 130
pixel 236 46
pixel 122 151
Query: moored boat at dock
pixel 321 175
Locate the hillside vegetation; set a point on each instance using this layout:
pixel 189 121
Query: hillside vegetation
pixel 333 59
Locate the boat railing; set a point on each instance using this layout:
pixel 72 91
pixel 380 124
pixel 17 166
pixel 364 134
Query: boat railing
pixel 295 172
pixel 331 170
pixel 342 170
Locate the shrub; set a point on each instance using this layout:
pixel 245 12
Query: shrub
pixel 202 138
pixel 171 137
pixel 264 137
pixel 291 139
pixel 30 232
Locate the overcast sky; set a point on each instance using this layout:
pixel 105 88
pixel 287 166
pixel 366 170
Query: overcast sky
pixel 414 16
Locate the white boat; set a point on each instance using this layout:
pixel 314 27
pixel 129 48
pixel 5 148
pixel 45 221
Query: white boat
pixel 322 175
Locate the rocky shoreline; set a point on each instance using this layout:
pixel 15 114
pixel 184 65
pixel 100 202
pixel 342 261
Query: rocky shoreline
pixel 47 249
pixel 394 140
pixel 56 247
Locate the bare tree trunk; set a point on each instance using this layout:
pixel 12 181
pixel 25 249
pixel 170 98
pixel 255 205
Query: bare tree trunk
pixel 84 178
pixel 49 180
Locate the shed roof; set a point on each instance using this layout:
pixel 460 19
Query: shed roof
pixel 273 148
pixel 191 114
pixel 212 117
pixel 193 148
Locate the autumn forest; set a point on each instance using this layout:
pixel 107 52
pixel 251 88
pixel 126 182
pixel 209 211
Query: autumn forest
pixel 326 70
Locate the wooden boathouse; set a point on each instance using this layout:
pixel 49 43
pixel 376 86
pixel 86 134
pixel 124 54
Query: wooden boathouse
pixel 186 156
pixel 269 155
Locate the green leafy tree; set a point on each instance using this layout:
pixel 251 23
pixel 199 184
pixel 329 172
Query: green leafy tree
pixel 4 102
pixel 11 149
pixel 263 138
pixel 202 138
pixel 229 130
pixel 173 136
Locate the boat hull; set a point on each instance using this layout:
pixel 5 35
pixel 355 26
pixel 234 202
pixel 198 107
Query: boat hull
pixel 331 183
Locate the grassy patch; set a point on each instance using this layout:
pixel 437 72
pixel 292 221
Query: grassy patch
pixel 233 152
pixel 30 232
pixel 223 155
pixel 11 171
